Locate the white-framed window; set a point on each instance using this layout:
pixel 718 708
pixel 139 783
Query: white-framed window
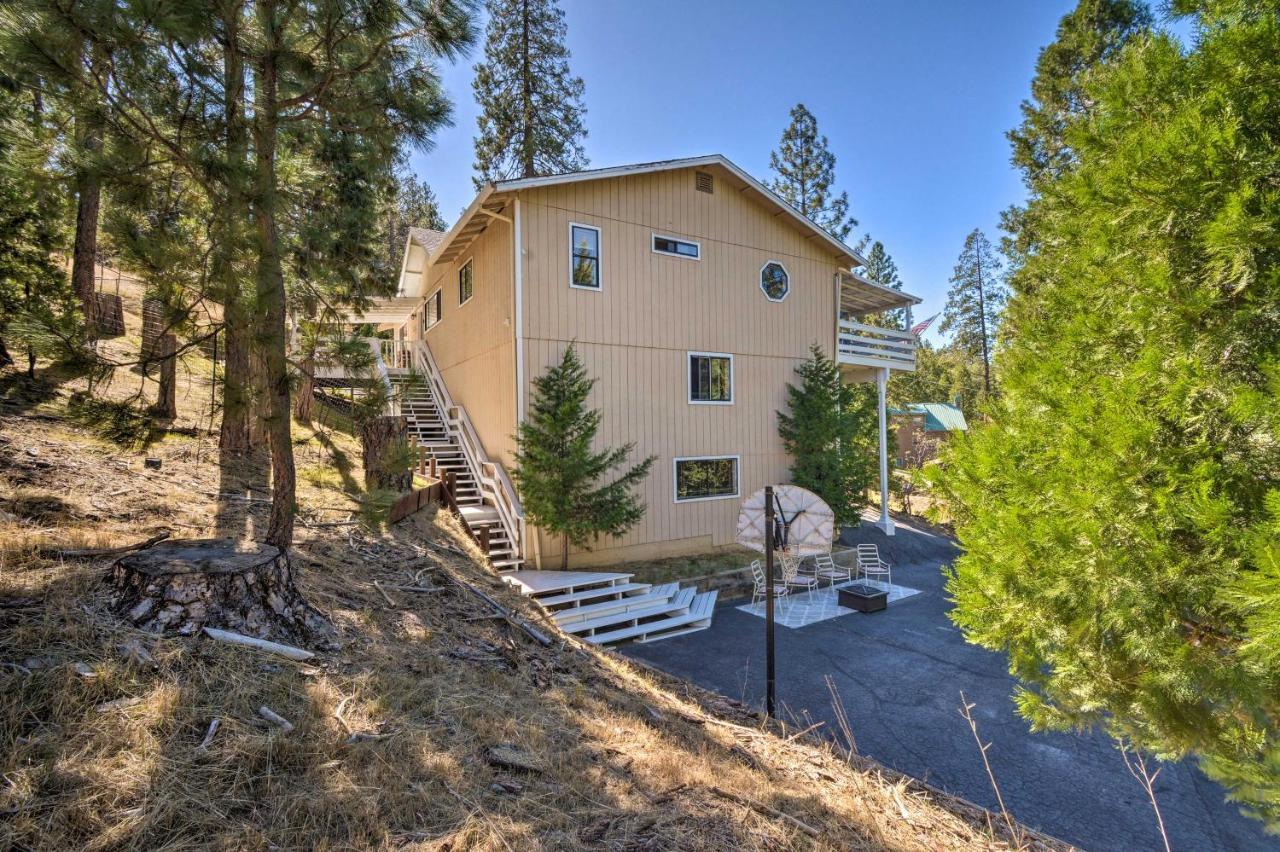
pixel 775 281
pixel 466 281
pixel 710 378
pixel 705 478
pixel 687 249
pixel 584 257
pixel 431 315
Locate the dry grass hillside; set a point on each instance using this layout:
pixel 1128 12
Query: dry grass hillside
pixel 436 726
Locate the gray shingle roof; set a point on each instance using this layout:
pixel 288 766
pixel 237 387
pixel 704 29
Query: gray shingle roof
pixel 426 237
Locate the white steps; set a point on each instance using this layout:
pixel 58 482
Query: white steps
pixel 630 603
pixel 603 607
pixel 426 424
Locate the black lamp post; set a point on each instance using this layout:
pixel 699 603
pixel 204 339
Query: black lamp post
pixel 769 678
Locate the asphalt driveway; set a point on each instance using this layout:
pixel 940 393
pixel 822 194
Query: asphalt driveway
pixel 899 674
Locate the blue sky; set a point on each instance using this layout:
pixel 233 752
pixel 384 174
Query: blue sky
pixel 913 96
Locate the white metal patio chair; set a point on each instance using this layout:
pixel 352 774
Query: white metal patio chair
pixel 871 566
pixel 826 568
pixel 793 576
pixel 761 590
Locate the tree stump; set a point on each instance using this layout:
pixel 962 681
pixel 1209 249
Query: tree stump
pixel 386 462
pixel 180 587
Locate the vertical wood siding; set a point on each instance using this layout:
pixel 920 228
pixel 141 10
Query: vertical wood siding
pixel 634 335
pixel 474 343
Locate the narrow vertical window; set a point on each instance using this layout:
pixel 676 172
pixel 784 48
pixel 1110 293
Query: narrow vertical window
pixel 710 378
pixel 432 315
pixel 466 283
pixel 584 257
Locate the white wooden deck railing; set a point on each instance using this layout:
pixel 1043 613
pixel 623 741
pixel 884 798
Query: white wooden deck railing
pixel 494 483
pixel 873 346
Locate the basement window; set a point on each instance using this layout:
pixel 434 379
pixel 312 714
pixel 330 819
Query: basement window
pixel 584 257
pixel 679 248
pixel 466 282
pixel 706 478
pixel 710 378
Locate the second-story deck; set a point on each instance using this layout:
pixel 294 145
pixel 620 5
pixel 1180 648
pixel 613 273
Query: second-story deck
pixel 861 346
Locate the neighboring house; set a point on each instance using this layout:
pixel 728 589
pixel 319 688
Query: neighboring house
pixel 692 293
pixel 921 427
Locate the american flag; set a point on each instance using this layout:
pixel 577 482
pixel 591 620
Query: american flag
pixel 919 327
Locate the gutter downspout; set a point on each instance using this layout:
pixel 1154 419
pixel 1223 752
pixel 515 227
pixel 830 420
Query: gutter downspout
pixel 527 544
pixel 885 523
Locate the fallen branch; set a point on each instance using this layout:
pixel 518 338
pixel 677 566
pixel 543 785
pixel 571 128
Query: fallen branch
pixel 209 734
pixel 798 734
pixel 766 810
pixel 119 704
pixel 110 551
pixel 261 644
pixel 386 597
pixel 275 718
pixel 512 619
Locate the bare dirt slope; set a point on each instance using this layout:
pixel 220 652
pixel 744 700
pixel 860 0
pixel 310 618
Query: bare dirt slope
pixel 436 726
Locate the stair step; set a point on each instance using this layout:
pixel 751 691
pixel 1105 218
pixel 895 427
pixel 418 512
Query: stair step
pixel 600 592
pixel 574 614
pixel 673 600
pixel 697 618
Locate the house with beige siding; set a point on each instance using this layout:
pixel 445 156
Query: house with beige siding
pixel 691 291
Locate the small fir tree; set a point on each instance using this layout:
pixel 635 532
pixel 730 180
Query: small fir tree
pixel 559 474
pixel 806 172
pixel 974 301
pixel 531 106
pixel 830 430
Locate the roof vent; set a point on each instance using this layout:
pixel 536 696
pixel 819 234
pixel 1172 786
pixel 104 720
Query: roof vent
pixel 702 180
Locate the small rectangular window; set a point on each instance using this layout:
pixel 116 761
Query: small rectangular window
pixel 706 478
pixel 710 378
pixel 432 315
pixel 680 248
pixel 584 257
pixel 466 282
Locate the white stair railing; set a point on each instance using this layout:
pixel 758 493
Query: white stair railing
pixel 495 486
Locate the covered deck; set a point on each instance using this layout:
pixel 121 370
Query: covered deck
pixel 868 352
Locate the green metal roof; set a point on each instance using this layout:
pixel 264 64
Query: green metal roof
pixel 938 416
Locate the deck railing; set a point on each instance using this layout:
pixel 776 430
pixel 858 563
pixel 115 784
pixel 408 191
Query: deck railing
pixel 495 484
pixel 873 346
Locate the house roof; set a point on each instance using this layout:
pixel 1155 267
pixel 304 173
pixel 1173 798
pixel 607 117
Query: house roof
pixel 491 201
pixel 428 238
pixel 938 416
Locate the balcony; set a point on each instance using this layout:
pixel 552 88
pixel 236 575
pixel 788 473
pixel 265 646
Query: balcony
pixel 863 347
pixel 860 345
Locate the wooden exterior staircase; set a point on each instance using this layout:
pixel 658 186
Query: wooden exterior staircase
pixel 604 608
pixel 484 495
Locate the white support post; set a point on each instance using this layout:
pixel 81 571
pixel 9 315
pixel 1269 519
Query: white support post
pixel 885 522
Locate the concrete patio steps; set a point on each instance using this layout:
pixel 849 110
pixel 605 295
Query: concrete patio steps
pixel 604 607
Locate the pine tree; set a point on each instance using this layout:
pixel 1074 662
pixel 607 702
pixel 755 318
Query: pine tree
pixel 977 293
pixel 413 205
pixel 1120 511
pixel 881 269
pixel 531 107
pixel 35 296
pixel 830 430
pixel 1088 36
pixel 942 374
pixel 806 172
pixel 559 474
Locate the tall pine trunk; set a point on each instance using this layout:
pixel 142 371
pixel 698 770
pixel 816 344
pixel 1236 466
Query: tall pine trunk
pixel 270 283
pixel 526 90
pixel 88 182
pixel 233 438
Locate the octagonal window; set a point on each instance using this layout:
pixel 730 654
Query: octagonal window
pixel 774 281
